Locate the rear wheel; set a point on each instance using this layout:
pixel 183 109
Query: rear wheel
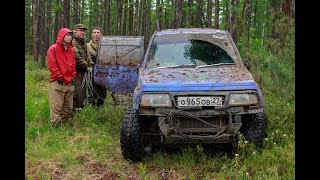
pixel 253 128
pixel 131 140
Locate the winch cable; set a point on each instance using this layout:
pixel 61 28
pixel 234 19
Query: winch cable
pixel 171 119
pixel 87 80
pixel 219 134
pixel 195 117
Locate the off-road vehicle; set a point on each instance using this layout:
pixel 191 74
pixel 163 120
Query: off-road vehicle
pixel 191 87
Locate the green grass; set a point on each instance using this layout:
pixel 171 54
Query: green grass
pixel 90 148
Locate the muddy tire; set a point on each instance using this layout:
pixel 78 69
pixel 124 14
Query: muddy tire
pixel 253 129
pixel 131 136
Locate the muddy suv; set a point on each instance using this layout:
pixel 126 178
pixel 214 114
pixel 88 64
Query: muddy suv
pixel 192 88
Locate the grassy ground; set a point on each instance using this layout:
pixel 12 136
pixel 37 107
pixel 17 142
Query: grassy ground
pixel 90 149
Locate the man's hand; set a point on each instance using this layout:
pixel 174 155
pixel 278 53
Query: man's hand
pixel 60 81
pixel 89 69
pixel 91 63
pixel 93 58
pixel 72 82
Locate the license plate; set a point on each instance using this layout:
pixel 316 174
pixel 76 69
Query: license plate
pixel 200 101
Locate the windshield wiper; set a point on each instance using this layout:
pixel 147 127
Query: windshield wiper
pixel 211 65
pixel 179 66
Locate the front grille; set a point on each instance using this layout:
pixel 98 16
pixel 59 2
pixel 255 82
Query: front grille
pixel 195 126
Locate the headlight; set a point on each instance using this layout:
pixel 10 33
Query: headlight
pixel 156 100
pixel 243 99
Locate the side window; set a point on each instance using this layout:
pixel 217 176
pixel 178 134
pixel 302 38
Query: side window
pixel 152 62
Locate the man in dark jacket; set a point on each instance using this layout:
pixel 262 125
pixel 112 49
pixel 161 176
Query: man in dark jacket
pixel 98 93
pixel 62 69
pixel 83 64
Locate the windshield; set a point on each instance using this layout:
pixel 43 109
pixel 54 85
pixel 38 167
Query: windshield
pixel 186 52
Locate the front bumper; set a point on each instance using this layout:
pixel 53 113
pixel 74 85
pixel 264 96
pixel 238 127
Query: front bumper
pixel 200 112
pixel 199 126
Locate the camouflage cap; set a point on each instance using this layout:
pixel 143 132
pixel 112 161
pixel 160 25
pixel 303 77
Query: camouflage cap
pixel 80 26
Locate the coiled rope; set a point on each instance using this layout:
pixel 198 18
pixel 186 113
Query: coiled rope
pixel 87 82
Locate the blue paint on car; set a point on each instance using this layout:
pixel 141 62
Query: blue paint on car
pixel 122 79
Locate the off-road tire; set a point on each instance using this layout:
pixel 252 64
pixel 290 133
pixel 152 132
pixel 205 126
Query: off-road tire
pixel 131 136
pixel 253 129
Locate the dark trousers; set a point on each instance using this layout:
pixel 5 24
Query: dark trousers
pixel 80 91
pixel 98 95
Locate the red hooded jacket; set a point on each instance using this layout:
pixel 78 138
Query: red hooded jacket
pixel 61 62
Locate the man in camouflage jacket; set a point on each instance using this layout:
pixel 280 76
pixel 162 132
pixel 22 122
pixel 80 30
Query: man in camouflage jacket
pixel 83 64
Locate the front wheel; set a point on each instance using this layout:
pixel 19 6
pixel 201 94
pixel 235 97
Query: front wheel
pixel 253 128
pixel 131 140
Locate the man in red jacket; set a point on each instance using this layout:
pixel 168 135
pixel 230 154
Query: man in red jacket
pixel 62 67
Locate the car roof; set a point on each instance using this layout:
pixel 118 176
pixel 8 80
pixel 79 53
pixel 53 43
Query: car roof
pixel 191 30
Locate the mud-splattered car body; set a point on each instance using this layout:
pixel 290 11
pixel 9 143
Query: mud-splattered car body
pixel 192 88
pixel 116 67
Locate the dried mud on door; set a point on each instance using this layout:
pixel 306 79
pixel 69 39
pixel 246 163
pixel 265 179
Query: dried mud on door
pixel 116 68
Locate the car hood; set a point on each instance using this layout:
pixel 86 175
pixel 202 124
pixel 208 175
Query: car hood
pixel 212 78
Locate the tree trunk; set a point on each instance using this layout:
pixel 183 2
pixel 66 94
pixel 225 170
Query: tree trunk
pixel 35 29
pixel 104 18
pixel 119 17
pixel 141 18
pixel 90 13
pixel 287 12
pixel 227 17
pixel 165 19
pixel 42 33
pixel 108 28
pixel 248 18
pixel 231 20
pixel 264 24
pixel 286 8
pixel 158 14
pixel 199 14
pixel 125 14
pixel 96 17
pixel 190 4
pixel 48 27
pixel 39 35
pixel 143 23
pixel 102 13
pixel 293 8
pixel 82 10
pixel 148 23
pixel 28 31
pixel 66 13
pixel 130 28
pixel 248 24
pixel 216 14
pixel 255 25
pixel 76 16
pixel 178 14
pixel 209 12
pixel 56 21
pixel 136 18
pixel 173 18
pixel 276 18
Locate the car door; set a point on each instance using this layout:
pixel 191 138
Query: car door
pixel 116 67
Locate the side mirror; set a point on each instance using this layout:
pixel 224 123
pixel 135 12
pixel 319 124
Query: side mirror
pixel 247 64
